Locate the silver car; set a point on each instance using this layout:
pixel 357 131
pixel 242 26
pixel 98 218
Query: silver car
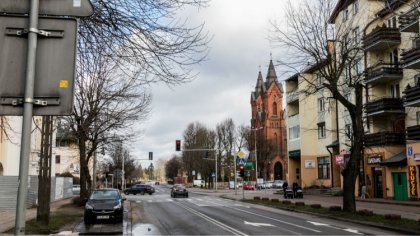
pixel 278 183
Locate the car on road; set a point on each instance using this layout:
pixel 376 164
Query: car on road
pixel 278 183
pixel 104 204
pixel 179 190
pixel 248 186
pixel 75 189
pixel 139 189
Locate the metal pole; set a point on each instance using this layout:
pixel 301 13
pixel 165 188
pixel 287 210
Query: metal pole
pixel 256 160
pixel 234 173
pixel 122 173
pixel 215 154
pixel 94 171
pixel 27 120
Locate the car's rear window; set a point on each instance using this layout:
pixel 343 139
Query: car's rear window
pixel 104 194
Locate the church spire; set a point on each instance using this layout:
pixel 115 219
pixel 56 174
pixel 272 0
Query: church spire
pixel 260 82
pixel 271 74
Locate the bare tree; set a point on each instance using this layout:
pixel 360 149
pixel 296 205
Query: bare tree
pixel 226 136
pixel 197 136
pixel 107 104
pixel 310 39
pixel 146 34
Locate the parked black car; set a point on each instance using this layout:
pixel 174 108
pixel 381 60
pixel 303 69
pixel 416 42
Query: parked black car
pixel 104 204
pixel 139 189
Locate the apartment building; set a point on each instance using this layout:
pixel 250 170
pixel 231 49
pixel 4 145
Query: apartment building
pixel 389 59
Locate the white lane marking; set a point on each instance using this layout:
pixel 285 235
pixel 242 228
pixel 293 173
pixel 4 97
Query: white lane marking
pixel 257 224
pixel 150 200
pixel 323 224
pixel 169 200
pixel 214 221
pixel 281 221
pixel 355 231
pixel 138 201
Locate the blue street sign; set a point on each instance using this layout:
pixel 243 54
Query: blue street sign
pixel 213 175
pixel 241 161
pixel 410 151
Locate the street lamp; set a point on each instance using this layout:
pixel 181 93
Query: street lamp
pixel 255 151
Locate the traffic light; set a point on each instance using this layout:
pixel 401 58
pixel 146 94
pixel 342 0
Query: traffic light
pixel 177 145
pixel 241 170
pixel 151 156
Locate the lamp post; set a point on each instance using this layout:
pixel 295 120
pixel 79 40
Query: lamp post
pixel 255 151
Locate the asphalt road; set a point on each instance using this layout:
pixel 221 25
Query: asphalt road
pixel 209 215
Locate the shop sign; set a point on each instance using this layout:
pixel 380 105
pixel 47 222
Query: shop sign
pixel 412 180
pixel 374 160
pixel 309 164
pixel 417 157
pixel 339 159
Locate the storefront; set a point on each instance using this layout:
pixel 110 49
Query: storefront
pixel 374 176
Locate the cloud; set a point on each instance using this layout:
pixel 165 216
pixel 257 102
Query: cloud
pixel 223 87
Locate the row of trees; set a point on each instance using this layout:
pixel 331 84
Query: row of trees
pixel 123 47
pixel 226 140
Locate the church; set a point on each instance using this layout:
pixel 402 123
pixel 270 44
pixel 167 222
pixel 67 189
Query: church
pixel 268 141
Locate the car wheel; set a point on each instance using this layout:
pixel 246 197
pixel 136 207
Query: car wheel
pixel 150 193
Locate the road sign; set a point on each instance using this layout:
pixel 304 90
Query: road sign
pixel 240 154
pixel 55 65
pixel 49 7
pixel 410 151
pixel 241 161
pixel 249 164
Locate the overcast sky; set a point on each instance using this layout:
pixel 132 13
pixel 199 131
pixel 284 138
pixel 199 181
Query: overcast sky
pixel 223 87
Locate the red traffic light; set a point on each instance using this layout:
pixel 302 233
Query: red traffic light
pixel 177 145
pixel 241 167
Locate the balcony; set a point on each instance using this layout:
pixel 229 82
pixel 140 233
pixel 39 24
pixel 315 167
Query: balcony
pixel 411 58
pixel 384 139
pixel 409 21
pixel 412 96
pixel 383 73
pixel 385 106
pixel 382 38
pixel 413 132
pixel 292 96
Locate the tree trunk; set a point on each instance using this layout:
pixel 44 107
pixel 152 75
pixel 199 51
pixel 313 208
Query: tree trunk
pixel 85 182
pixel 352 167
pixel 44 176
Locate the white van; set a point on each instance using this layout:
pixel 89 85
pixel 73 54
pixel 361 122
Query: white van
pixel 198 183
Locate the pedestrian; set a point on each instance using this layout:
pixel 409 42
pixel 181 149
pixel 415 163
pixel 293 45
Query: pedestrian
pixel 363 192
pixel 285 185
pixel 295 187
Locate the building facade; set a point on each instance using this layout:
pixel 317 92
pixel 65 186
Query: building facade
pixel 268 132
pixel 389 63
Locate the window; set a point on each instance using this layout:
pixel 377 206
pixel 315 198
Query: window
pixel 418 117
pixel 57 159
pixel 321 130
pixel 323 167
pixel 321 105
pixel 345 14
pixel 346 40
pixel 392 22
pixel 356 37
pixel 349 132
pixel 294 132
pixel 356 7
pixel 319 80
pixel 346 72
pixel 393 57
pixel 395 91
pixel 275 108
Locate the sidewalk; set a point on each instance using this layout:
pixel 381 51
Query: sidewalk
pixel 7 218
pixel 407 209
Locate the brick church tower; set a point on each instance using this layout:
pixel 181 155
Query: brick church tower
pixel 268 131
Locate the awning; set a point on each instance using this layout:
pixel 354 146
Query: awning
pixel 398 160
pixel 333 144
pixel 294 154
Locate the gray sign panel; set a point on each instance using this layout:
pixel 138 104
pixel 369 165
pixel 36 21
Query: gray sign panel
pixel 55 65
pixel 49 7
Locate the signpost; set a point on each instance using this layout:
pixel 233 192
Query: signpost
pixel 29 91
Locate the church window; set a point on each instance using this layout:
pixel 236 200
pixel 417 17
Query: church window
pixel 274 108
